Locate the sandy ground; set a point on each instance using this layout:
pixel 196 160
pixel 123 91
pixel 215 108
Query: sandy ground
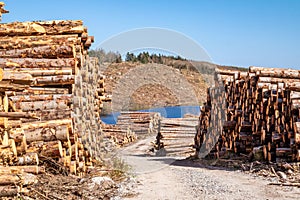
pixel 163 178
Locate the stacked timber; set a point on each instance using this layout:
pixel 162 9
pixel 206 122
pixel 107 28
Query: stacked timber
pixel 175 135
pixel 131 124
pixel 48 106
pixel 254 112
pixel 118 135
pixel 139 122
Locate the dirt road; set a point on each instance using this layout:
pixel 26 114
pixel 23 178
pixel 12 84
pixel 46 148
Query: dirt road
pixel 163 178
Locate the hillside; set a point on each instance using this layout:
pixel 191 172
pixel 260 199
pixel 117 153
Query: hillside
pixel 188 80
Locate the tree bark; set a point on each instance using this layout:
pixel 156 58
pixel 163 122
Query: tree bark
pixel 37 63
pixel 54 80
pixel 42 105
pixel 43 97
pixel 54 52
pixel 58 27
pixel 23 42
pixel 33 169
pixel 42 72
pixel 41 134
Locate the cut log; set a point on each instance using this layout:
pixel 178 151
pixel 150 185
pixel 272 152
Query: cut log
pixel 34 41
pixel 46 150
pixel 47 124
pixel 45 97
pixel 276 72
pixel 38 90
pixel 57 27
pixel 42 105
pixel 37 63
pixel 17 115
pixel 55 51
pixel 10 179
pixel 41 134
pixel 18 78
pixel 43 72
pixel 27 159
pixel 54 80
pixel 8 86
pixel 53 114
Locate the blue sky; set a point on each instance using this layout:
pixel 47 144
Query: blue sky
pixel 233 32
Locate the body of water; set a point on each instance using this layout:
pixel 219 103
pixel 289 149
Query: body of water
pixel 167 112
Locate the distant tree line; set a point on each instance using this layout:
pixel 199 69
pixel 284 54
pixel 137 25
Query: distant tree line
pixel 110 57
pixel 145 57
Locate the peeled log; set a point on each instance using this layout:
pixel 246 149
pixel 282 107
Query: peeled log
pixel 22 42
pixel 55 51
pixel 37 90
pixel 41 134
pixel 276 72
pixel 53 114
pixel 33 169
pixel 18 78
pixel 40 28
pixel 54 80
pixel 47 124
pixel 17 115
pixel 37 63
pixel 10 179
pixel 43 72
pixel 226 72
pixel 275 80
pixel 42 105
pixel 42 97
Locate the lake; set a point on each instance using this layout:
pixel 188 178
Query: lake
pixel 167 112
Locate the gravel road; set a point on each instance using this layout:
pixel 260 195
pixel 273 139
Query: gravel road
pixel 163 178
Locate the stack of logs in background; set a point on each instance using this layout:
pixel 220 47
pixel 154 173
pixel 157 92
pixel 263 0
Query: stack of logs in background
pixel 176 135
pixel 51 97
pixel 130 125
pixel 256 113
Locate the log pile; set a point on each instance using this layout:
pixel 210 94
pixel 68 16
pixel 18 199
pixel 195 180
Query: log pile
pixel 255 113
pixel 118 135
pixel 175 135
pixel 139 122
pixel 51 94
pixel 131 124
